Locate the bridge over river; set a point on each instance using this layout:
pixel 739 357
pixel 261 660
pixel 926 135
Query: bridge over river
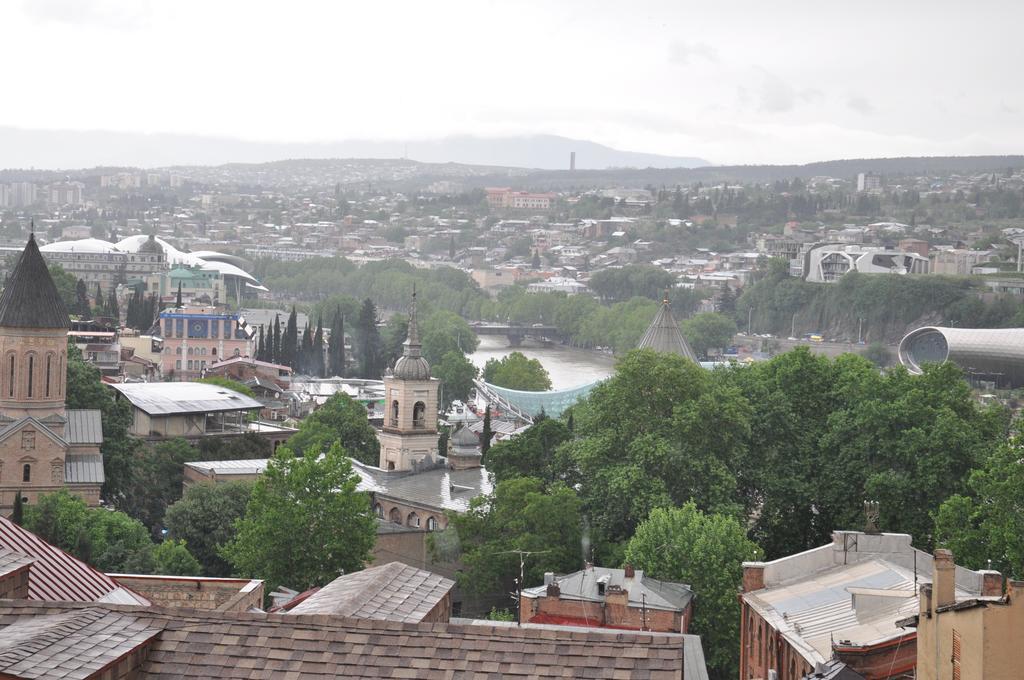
pixel 517 332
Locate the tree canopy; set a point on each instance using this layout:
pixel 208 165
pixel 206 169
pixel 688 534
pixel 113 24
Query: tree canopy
pixel 205 519
pixel 517 372
pixel 341 420
pixel 304 506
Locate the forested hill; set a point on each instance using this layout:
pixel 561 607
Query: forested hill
pixel 910 165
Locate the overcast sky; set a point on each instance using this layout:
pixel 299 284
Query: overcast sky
pixel 733 82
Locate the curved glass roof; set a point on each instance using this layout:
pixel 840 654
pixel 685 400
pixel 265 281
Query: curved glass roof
pixel 531 403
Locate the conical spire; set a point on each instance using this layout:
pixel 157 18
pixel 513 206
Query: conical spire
pixel 412 343
pixel 30 299
pixel 663 335
pixel 412 365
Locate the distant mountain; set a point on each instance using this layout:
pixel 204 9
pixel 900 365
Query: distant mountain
pixel 53 149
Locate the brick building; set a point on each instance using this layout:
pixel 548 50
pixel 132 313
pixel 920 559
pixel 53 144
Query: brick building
pixel 609 598
pixel 196 337
pixel 44 446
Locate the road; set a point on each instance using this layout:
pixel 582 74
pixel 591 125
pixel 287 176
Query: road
pixel 830 349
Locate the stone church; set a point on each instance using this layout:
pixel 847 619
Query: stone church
pixel 43 445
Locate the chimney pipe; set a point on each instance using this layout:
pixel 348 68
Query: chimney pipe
pixel 629 572
pixel 944 578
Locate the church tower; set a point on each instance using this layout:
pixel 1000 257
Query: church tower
pixel 408 440
pixel 34 326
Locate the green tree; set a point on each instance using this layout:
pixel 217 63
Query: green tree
pixel 228 383
pixel 443 332
pixel 82 307
pixel 336 346
pixel 986 523
pixel 531 454
pixel 205 520
pixel 368 342
pixel 66 285
pixel 304 506
pixel 340 420
pixel 85 390
pixel 18 514
pixel 157 474
pixel 706 551
pixel 519 515
pixel 708 330
pixel 516 372
pixel 173 557
pixel 456 374
pixel 878 354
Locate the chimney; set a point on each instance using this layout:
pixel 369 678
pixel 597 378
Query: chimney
pixel 991 583
pixel 554 590
pixel 629 572
pixel 549 577
pixel 753 576
pixel 944 578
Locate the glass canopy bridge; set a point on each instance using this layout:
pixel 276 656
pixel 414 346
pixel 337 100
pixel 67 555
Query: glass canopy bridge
pixel 524 405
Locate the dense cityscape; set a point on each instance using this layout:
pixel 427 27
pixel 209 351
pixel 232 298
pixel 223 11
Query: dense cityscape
pixel 716 376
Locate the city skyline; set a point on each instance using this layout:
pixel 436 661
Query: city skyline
pixel 747 84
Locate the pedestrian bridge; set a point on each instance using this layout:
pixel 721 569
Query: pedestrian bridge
pixel 525 405
pixel 516 332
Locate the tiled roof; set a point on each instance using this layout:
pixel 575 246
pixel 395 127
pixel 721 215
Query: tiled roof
pixel 393 591
pixel 57 576
pixel 11 561
pixel 71 644
pixel 30 299
pixel 226 645
pixel 663 335
pixel 84 426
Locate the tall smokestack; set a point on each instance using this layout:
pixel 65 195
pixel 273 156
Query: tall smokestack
pixel 572 160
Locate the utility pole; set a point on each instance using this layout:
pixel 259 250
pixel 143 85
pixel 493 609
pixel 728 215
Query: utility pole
pixel 792 328
pixel 750 313
pixel 860 328
pixel 643 610
pixel 518 595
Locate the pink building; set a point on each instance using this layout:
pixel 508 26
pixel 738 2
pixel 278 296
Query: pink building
pixel 195 337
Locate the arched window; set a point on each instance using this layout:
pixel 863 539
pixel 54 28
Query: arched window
pixel 10 376
pixel 213 351
pixel 31 374
pixel 413 520
pixel 177 350
pixel 394 413
pixel 395 516
pixel 60 375
pixel 419 412
pixel 431 524
pixel 379 510
pixel 26 473
pixel 49 373
pixel 191 351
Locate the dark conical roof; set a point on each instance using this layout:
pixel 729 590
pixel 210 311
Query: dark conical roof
pixel 663 335
pixel 30 299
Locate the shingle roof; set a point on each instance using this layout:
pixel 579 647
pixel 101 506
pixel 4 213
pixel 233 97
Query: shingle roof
pixel 30 299
pixel 228 645
pixel 663 335
pixel 393 591
pixel 56 575
pixel 71 644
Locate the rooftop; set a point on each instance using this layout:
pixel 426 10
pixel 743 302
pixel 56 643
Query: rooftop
pixel 208 644
pixel 438 488
pixel 392 592
pixel 170 398
pixel 643 590
pixel 663 335
pixel 30 298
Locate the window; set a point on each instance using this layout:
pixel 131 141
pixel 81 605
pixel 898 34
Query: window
pixel 419 412
pixel 379 510
pixel 190 364
pixel 177 364
pixel 431 524
pixel 394 413
pixel 213 351
pixel 413 520
pixel 31 367
pixel 177 350
pixel 49 360
pixel 395 516
pixel 10 378
pixel 26 473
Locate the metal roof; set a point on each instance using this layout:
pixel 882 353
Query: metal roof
pixel 56 576
pixel 438 488
pixel 83 469
pixel 663 335
pixel 84 426
pixel 231 467
pixel 11 561
pixel 184 397
pixel 643 590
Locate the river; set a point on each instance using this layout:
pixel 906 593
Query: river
pixel 567 366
